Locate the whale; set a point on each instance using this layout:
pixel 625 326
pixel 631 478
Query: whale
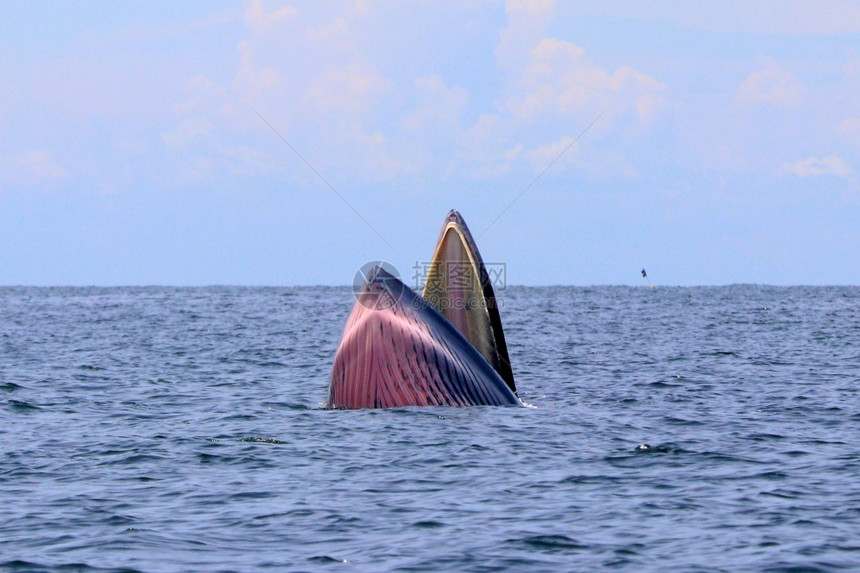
pixel 445 347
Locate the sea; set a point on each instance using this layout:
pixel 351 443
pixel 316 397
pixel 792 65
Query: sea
pixel 161 429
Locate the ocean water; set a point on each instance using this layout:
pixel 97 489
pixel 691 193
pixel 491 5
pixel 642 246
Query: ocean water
pixel 673 429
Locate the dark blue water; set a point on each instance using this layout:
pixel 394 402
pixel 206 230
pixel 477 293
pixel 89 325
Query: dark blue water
pixel 180 429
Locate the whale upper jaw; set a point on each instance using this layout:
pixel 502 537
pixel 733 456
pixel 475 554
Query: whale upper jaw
pixel 459 287
pixel 445 349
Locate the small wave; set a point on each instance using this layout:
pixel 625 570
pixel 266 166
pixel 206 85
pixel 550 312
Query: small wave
pixel 765 437
pixel 239 418
pixel 326 559
pixel 133 458
pixel 782 494
pixel 22 406
pixel 18 565
pixel 214 458
pixel 428 524
pixel 253 495
pixel 593 479
pixel 552 543
pixel 11 387
pixel 287 406
pixel 475 447
pixel 661 384
pixel 799 568
pixel 675 421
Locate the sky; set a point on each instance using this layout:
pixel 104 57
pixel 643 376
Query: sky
pixel 288 143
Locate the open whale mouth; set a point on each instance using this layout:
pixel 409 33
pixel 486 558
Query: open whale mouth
pixel 446 347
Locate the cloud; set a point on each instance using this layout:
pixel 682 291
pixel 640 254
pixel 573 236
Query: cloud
pixel 315 80
pixel 326 80
pixel 31 168
pixel 187 132
pixel 777 17
pixel 486 148
pixel 850 128
pixel 349 91
pixel 561 81
pixel 431 133
pixel 550 90
pixel 246 160
pixel 559 152
pixel 198 168
pixel 199 91
pixel 335 34
pixel 439 107
pixel 260 21
pixel 255 79
pixel 815 167
pixel 771 85
pixel 528 21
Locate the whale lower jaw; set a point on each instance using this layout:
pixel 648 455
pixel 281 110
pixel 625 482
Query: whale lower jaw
pixel 397 350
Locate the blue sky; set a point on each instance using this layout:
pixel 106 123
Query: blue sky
pixel 131 151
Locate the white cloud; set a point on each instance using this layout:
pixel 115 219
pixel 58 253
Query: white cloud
pixel 561 81
pixel 850 128
pixel 187 132
pixel 260 21
pixel 372 152
pixel 349 91
pixel 556 153
pixel 197 168
pixel 31 168
pixel 552 87
pixel 528 21
pixel 814 167
pixel 319 79
pixel 254 79
pixel 335 34
pixel 313 79
pixel 486 148
pixel 199 91
pixel 779 17
pixel 245 160
pixel 771 85
pixel 439 107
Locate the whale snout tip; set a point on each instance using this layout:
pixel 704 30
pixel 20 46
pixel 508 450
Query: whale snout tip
pixel 454 215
